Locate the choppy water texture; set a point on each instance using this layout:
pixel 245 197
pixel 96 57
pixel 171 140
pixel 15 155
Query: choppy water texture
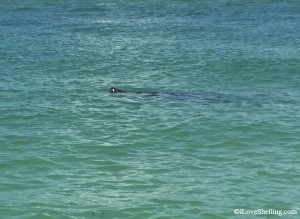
pixel 70 149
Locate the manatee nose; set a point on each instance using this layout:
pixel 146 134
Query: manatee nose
pixel 113 90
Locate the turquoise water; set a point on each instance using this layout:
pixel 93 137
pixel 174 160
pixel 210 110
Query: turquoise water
pixel 222 134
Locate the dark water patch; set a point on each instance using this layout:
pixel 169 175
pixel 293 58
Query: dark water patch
pixel 81 9
pixel 26 9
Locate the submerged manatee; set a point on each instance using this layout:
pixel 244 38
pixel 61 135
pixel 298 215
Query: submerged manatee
pixel 204 97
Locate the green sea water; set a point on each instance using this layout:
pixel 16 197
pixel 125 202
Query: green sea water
pixel 222 131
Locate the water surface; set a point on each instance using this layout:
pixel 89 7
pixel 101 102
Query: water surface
pixel 70 149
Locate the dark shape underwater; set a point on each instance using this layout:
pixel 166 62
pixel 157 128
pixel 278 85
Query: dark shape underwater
pixel 203 97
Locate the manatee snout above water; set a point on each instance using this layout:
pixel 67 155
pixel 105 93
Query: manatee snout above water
pixel 115 90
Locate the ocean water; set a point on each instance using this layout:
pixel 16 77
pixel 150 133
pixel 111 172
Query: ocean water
pixel 222 131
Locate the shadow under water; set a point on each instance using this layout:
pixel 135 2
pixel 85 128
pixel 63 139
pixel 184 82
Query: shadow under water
pixel 182 96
